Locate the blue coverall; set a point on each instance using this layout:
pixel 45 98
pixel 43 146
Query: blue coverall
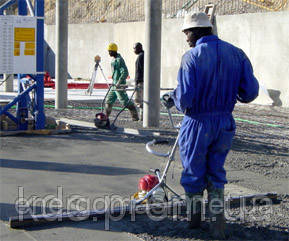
pixel 212 77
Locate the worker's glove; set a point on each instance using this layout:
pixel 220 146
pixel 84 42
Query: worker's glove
pixel 120 86
pixel 167 100
pixel 117 85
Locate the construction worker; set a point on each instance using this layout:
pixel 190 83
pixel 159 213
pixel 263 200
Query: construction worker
pixel 213 75
pixel 119 75
pixel 139 73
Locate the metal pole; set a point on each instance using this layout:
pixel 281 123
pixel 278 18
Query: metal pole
pixel 8 85
pixel 153 28
pixel 31 10
pixel 61 53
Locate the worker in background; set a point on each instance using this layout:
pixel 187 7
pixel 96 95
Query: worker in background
pixel 119 75
pixel 213 75
pixel 139 72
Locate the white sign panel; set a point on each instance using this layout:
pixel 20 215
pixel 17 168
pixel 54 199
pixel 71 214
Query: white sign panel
pixel 18 45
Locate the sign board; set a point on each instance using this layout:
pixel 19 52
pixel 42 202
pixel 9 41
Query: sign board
pixel 18 44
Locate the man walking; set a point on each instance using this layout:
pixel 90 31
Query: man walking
pixel 213 75
pixel 119 75
pixel 139 72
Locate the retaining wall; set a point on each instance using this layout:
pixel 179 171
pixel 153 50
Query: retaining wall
pixel 263 37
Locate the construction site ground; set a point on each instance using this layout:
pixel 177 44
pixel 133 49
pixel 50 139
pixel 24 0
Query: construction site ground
pixel 92 163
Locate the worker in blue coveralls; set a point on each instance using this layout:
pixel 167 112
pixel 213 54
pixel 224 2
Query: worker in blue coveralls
pixel 213 75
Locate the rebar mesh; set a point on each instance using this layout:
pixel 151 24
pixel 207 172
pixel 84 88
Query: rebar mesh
pixel 94 11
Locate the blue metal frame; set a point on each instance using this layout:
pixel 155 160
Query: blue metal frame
pixel 22 7
pixel 23 100
pixel 22 104
pixel 39 115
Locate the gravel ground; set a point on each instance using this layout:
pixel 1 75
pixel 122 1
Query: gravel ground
pixel 260 148
pixel 270 227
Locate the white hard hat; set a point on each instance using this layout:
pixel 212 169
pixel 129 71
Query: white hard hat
pixel 196 20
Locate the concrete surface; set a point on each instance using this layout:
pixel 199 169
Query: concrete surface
pixel 90 163
pixel 93 163
pixel 82 164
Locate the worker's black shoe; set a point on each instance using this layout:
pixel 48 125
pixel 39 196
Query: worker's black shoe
pixel 194 208
pixel 195 221
pixel 217 228
pixel 216 212
pixel 133 112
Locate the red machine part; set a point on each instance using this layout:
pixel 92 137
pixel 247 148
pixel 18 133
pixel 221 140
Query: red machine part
pixel 101 116
pixel 147 182
pixel 48 82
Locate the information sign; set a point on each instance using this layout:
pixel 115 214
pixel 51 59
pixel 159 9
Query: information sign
pixel 18 44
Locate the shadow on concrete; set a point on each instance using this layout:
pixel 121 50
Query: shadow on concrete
pixel 7 210
pixel 70 168
pixel 93 134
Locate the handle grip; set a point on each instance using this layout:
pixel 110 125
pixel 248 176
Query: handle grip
pixel 153 142
pixel 155 171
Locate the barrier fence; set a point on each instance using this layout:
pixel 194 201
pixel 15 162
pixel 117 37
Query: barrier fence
pixel 114 11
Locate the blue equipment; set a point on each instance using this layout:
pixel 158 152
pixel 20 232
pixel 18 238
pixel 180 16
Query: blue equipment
pixel 34 84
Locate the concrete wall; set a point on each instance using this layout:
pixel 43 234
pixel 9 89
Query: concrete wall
pixel 84 42
pixel 264 38
pixel 125 35
pixel 173 47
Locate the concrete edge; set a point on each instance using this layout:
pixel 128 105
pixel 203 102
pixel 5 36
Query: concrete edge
pixel 35 132
pixel 119 130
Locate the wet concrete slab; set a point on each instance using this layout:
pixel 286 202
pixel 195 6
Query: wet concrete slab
pixel 88 165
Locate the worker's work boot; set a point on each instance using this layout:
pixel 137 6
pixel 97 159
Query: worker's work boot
pixel 216 212
pixel 194 209
pixel 108 109
pixel 133 112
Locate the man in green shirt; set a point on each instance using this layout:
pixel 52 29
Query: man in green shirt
pixel 119 75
